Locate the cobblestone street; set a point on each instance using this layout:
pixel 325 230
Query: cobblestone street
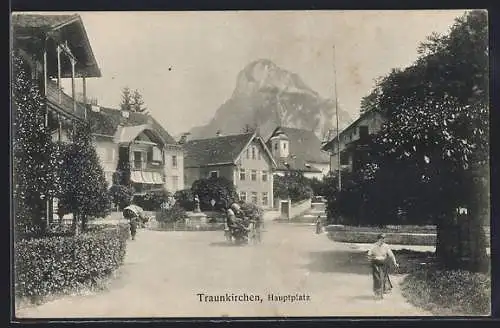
pixel 164 273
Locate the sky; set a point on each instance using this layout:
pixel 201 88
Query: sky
pixel 185 64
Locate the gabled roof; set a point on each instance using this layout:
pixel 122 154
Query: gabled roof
pixel 69 28
pixel 303 144
pixel 218 150
pixel 296 164
pixel 40 20
pixel 108 120
pixel 354 124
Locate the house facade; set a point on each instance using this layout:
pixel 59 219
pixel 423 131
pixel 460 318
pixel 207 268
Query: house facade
pixel 56 48
pixel 353 142
pixel 135 146
pixel 298 150
pixel 243 159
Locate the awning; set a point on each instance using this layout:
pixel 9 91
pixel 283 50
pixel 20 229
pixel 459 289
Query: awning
pixel 157 178
pixel 136 176
pixel 147 177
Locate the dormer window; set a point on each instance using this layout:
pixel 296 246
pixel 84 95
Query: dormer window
pixel 307 165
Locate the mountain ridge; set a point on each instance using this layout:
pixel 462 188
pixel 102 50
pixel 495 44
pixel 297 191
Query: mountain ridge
pixel 267 96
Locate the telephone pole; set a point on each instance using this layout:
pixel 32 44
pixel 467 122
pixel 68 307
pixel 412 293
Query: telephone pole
pixel 337 117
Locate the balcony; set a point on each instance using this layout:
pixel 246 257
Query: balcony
pixel 64 101
pixel 146 166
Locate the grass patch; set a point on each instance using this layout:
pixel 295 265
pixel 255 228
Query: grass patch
pixel 443 292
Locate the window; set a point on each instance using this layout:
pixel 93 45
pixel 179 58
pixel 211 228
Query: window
pixel 242 174
pixel 258 154
pixel 284 146
pixel 276 146
pixel 264 176
pixel 175 183
pixel 254 175
pixel 254 198
pixel 344 159
pixel 157 156
pixel 363 132
pixel 214 174
pixel 243 196
pixel 248 153
pixel 253 152
pixel 174 160
pixel 137 160
pixel 265 199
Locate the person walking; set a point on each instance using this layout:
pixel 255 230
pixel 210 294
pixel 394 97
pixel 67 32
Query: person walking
pixel 133 227
pixel 318 225
pixel 380 257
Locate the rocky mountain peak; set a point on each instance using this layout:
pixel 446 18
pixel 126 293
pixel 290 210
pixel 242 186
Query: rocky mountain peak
pixel 267 96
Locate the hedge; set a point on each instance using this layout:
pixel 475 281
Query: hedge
pixel 52 265
pixel 400 238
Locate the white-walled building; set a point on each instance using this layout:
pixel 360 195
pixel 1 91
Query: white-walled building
pixel 136 144
pixel 352 140
pixel 298 150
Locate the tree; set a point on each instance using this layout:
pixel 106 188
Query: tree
pixel 152 200
pixel 249 128
pixel 292 185
pixel 84 189
pixel 185 199
pixel 435 142
pixel 219 189
pixel 35 160
pixel 132 101
pixel 127 101
pixel 120 195
pixel 138 102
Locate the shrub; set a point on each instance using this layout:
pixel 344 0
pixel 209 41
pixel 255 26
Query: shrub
pixel 121 195
pixel 252 211
pixel 452 292
pixel 51 265
pixel 185 199
pixel 152 200
pixel 173 214
pixel 219 189
pixel 293 185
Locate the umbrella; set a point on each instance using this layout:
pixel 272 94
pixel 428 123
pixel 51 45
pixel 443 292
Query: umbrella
pixel 135 211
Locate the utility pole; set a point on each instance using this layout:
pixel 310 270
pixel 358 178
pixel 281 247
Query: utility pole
pixel 337 117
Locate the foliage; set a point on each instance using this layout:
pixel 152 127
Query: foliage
pixel 120 195
pixel 319 187
pixel 172 214
pixel 292 185
pixel 34 155
pixel 152 199
pixel 219 189
pixel 84 190
pixel 185 199
pixel 252 211
pixel 443 292
pixel 50 265
pixel 431 156
pixel 132 101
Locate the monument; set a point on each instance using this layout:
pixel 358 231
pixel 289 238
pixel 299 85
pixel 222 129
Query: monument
pixel 196 216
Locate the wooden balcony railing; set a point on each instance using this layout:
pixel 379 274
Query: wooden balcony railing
pixel 66 102
pixel 146 166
